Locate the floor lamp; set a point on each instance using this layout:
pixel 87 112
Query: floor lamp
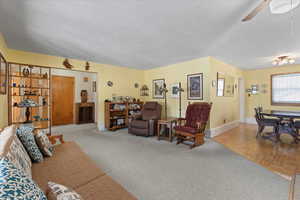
pixel 180 90
pixel 165 90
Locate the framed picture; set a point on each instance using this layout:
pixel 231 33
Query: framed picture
pixel 158 84
pixel 174 90
pixel 3 75
pixel 195 86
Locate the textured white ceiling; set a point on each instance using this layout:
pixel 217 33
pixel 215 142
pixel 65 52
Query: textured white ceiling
pixel 149 33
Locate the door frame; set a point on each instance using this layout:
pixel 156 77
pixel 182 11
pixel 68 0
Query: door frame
pixel 73 103
pixel 242 99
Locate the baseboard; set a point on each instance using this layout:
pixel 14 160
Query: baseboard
pixel 225 127
pixel 101 127
pixel 250 120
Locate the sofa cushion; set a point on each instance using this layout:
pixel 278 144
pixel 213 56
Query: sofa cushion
pixel 26 136
pixel 68 166
pixel 140 124
pixel 12 148
pixel 104 188
pixel 15 184
pixel 186 129
pixel 44 143
pixel 61 192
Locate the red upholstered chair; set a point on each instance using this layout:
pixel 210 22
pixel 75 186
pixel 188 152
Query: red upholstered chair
pixel 192 127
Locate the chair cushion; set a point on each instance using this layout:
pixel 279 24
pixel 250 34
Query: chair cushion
pixel 68 166
pixel 15 184
pixel 140 124
pixel 104 188
pixel 269 122
pixel 12 148
pixel 26 136
pixel 186 129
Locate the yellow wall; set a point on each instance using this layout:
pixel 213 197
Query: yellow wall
pixel 263 76
pixel 123 78
pixel 3 98
pixel 225 109
pixel 178 73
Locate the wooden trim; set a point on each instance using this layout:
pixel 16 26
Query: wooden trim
pixel 271 89
pixel 292 188
pixel 154 90
pixel 6 74
pixel 188 88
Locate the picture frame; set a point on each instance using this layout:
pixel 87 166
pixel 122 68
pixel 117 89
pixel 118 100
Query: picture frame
pixel 174 90
pixel 195 86
pixel 3 75
pixel 157 84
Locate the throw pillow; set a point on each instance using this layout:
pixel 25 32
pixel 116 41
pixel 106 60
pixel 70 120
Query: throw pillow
pixel 15 184
pixel 26 136
pixel 61 192
pixel 12 148
pixel 44 143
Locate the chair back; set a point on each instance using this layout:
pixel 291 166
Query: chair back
pixel 151 111
pixel 258 115
pixel 197 113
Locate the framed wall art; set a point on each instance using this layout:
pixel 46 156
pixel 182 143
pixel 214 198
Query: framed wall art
pixel 195 86
pixel 157 85
pixel 3 75
pixel 175 90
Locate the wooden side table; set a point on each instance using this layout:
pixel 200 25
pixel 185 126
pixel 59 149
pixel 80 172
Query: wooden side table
pixel 168 123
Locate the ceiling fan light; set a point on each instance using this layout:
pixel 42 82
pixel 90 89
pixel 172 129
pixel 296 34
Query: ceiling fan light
pixel 275 62
pixel 292 60
pixel 283 6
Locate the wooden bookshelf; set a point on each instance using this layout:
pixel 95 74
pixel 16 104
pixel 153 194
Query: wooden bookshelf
pixel 30 82
pixel 117 114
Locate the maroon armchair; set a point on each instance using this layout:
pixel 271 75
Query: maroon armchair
pixel 193 126
pixel 146 123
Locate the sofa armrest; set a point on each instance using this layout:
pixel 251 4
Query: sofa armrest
pixel 53 138
pixel 152 127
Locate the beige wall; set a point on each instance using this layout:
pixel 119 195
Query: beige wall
pixel 3 98
pixel 263 76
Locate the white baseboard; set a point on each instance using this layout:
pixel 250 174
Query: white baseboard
pixel 225 127
pixel 250 120
pixel 101 126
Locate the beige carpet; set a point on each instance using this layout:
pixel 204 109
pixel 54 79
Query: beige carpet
pixel 159 170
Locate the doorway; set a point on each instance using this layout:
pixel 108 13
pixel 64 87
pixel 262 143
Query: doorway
pixel 63 90
pixel 242 99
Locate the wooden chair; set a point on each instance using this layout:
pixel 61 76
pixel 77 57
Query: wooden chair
pixel 192 127
pixel 262 122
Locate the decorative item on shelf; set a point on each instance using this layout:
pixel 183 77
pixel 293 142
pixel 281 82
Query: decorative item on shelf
pixel 110 83
pixel 177 90
pixel 195 86
pixel 84 96
pixel 45 76
pixel 26 72
pixel 253 90
pixel 164 90
pixel 27 103
pixel 37 117
pixel 144 90
pixel 67 64
pixel 136 85
pixel 87 66
pixel 157 91
pixel 15 104
pixel 44 101
pixel 14 85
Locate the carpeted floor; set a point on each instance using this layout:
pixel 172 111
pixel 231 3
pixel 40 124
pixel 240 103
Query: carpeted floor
pixel 159 170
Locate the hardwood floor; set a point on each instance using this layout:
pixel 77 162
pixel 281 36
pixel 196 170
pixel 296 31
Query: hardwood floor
pixel 282 158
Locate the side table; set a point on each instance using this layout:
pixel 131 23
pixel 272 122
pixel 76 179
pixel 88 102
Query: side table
pixel 168 123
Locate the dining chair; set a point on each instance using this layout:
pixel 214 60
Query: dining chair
pixel 262 122
pixel 297 126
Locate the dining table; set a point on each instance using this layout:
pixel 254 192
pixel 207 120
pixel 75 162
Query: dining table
pixel 286 122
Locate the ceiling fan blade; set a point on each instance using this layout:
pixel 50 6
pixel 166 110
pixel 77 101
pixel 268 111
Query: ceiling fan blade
pixel 259 8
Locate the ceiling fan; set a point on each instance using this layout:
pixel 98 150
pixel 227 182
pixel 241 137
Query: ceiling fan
pixel 276 7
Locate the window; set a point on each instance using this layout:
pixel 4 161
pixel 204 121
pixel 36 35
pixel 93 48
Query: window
pixel 221 84
pixel 286 89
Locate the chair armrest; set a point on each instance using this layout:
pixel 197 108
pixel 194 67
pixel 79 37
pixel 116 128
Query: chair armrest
pixel 54 138
pixel 180 121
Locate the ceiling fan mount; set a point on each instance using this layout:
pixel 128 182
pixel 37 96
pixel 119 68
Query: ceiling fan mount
pixel 276 7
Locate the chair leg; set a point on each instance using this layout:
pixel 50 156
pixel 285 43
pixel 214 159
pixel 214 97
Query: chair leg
pixel 180 139
pixel 260 130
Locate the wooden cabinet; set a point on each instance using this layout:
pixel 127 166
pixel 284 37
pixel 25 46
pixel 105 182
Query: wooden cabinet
pixel 117 115
pixel 85 113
